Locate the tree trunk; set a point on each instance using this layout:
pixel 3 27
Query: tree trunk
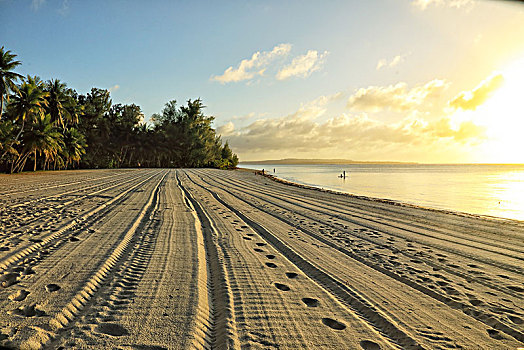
pixel 19 164
pixel 34 169
pixel 1 105
pixel 16 163
pixel 21 129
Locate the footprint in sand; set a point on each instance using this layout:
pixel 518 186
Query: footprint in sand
pixel 334 324
pixel 310 302
pixel 282 287
pixel 270 256
pixel 451 291
pixel 113 329
pixel 19 295
pixel 260 244
pixel 273 266
pixel 369 345
pixel 8 279
pixel 52 287
pixel 493 333
pixel 258 250
pixel 27 311
pixel 475 302
pixel 247 238
pixel 291 275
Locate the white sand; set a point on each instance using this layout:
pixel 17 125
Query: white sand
pixel 176 259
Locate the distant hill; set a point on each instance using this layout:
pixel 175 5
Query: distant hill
pixel 292 161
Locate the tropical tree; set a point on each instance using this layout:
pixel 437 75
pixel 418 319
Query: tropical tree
pixel 60 104
pixel 51 123
pixel 228 159
pixel 95 106
pixel 8 151
pixel 29 104
pixel 42 139
pixel 74 146
pixel 7 77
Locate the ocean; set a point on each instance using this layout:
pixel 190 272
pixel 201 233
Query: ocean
pixel 486 189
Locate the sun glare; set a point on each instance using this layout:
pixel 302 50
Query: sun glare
pixel 503 117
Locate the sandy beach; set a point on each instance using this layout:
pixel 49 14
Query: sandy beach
pixel 201 258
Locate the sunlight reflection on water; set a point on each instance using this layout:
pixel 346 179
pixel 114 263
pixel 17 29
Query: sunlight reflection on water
pixel 495 190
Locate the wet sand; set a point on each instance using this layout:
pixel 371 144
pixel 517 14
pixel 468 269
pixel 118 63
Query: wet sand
pixel 177 259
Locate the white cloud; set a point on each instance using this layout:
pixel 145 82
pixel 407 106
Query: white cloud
pixel 307 111
pixel 249 68
pixel 424 4
pixel 394 62
pixel 64 9
pixel 323 100
pixel 226 129
pixel 470 100
pixel 244 117
pixel 395 97
pixel 303 66
pixel 299 133
pixel 310 132
pixel 36 4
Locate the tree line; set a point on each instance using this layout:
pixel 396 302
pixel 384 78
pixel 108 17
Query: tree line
pixel 47 125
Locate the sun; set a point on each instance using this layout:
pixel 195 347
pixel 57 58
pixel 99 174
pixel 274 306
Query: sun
pixel 503 117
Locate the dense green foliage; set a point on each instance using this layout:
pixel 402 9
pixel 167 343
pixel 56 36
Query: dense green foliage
pixel 46 125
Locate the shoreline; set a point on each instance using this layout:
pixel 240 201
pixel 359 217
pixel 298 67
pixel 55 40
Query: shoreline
pixel 398 203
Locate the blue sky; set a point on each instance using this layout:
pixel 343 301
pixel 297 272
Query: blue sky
pixel 370 80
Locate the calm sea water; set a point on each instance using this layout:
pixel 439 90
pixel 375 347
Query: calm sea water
pixel 495 190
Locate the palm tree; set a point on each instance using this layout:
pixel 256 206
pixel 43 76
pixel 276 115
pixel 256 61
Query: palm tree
pixel 8 150
pixel 41 139
pixel 29 104
pixel 74 146
pixel 7 77
pixel 61 105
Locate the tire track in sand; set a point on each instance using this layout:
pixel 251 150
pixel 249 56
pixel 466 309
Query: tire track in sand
pixel 51 238
pixel 337 288
pixel 22 230
pixel 41 199
pixel 380 214
pixel 81 299
pixel 357 218
pixel 153 286
pixel 56 186
pixel 477 314
pixel 223 327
